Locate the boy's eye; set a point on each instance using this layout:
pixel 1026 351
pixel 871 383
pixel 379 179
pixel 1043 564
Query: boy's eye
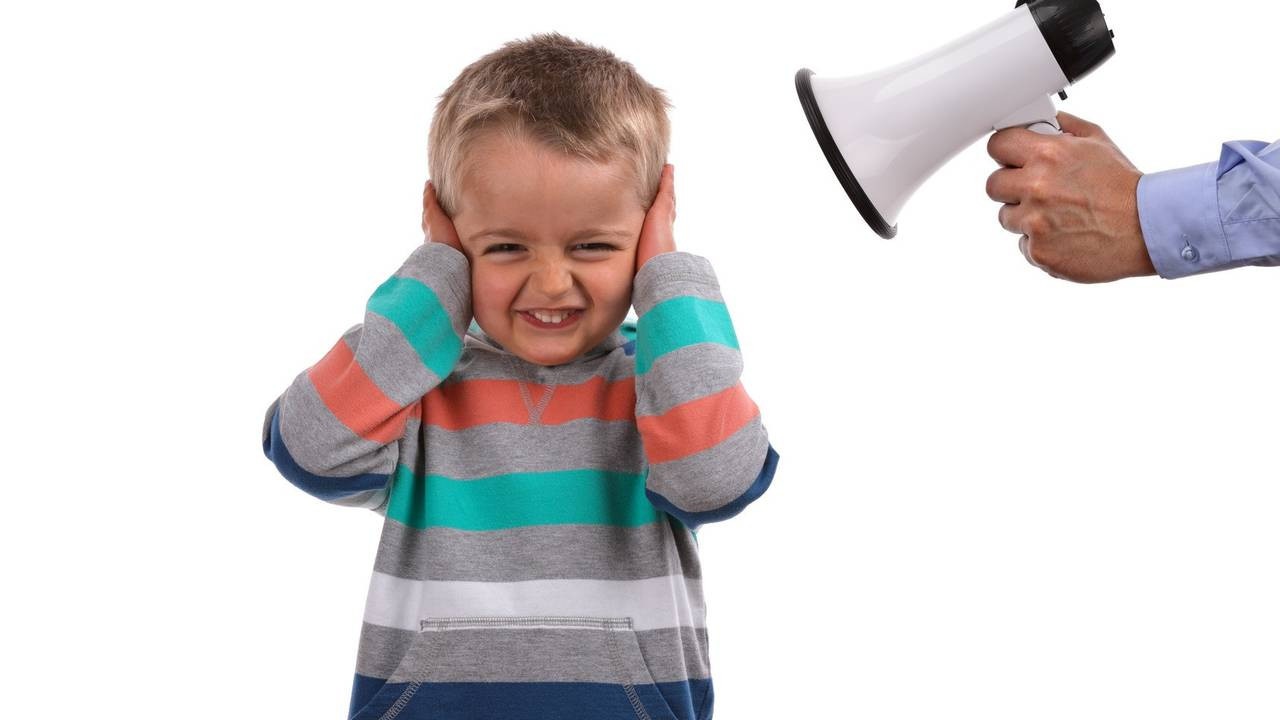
pixel 596 247
pixel 502 248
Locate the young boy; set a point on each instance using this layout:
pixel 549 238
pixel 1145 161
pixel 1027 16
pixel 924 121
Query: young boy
pixel 541 475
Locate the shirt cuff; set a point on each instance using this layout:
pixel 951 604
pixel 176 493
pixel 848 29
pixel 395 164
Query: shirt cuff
pixel 1178 210
pixel 673 274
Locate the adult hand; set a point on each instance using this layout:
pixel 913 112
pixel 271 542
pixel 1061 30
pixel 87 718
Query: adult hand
pixel 1074 200
pixel 436 225
pixel 656 235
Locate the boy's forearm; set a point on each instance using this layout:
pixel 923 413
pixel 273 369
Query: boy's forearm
pixel 335 431
pixel 708 451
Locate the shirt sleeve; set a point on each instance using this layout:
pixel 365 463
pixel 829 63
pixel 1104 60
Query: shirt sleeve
pixel 1214 216
pixel 707 450
pixel 336 431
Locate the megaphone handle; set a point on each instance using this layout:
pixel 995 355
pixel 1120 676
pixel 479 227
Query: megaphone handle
pixel 1040 116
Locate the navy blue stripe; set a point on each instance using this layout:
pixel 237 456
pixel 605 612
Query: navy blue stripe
pixel 684 700
pixel 362 691
pixel 728 510
pixel 325 488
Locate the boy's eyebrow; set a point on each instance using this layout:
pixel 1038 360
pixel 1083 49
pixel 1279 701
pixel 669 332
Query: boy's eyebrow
pixel 581 234
pixel 499 232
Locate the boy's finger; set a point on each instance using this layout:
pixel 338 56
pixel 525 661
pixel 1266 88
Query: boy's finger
pixel 666 195
pixel 428 201
pixel 437 225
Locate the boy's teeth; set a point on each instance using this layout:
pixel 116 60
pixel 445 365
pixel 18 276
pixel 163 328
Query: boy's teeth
pixel 550 317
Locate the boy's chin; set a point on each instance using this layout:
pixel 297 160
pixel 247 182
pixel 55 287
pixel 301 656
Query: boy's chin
pixel 547 356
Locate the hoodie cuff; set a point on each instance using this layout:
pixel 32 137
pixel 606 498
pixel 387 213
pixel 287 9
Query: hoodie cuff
pixel 671 275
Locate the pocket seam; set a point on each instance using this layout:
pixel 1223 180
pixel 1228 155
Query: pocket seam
pixel 401 702
pixel 621 668
pixel 498 622
pixel 614 627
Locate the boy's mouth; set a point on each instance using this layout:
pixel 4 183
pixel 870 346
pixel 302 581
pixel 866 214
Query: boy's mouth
pixel 550 319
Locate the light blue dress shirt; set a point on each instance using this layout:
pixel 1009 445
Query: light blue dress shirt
pixel 1214 216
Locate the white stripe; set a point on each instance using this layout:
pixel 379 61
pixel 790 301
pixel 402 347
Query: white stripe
pixel 660 602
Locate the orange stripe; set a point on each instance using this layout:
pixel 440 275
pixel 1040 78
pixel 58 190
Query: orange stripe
pixel 696 425
pixel 355 399
pixel 466 404
pixel 595 398
pixel 458 406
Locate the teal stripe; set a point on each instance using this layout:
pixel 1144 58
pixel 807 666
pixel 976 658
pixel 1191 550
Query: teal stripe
pixel 589 497
pixel 679 322
pixel 416 309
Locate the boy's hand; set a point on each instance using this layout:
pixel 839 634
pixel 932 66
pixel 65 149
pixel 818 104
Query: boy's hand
pixel 435 223
pixel 656 236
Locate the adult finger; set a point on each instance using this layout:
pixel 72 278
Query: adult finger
pixel 1006 185
pixel 1013 147
pixel 1030 250
pixel 1024 220
pixel 1078 126
pixel 1011 217
pixel 1024 247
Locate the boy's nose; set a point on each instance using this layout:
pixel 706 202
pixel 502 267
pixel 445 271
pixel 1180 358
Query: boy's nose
pixel 553 280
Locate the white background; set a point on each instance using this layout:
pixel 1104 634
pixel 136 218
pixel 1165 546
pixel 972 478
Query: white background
pixel 1001 495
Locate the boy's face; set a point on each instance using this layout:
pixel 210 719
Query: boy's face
pixel 552 245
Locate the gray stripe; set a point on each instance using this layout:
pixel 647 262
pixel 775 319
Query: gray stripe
pixel 500 448
pixel 533 650
pixel 686 374
pixel 481 362
pixel 319 442
pixel 447 272
pixel 716 476
pixel 596 552
pixel 368 499
pixel 673 275
pixel 391 362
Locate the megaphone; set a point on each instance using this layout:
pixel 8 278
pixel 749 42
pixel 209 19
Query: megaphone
pixel 885 133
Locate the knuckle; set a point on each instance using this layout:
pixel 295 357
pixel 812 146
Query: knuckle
pixel 1039 188
pixel 1036 225
pixel 1049 152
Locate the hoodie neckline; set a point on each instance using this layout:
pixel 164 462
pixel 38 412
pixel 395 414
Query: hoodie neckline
pixel 611 342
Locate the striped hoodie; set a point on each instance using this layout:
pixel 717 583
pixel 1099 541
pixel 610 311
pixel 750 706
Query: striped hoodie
pixel 537 558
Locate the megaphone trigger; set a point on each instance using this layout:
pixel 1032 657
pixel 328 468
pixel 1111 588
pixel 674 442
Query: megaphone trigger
pixel 1039 116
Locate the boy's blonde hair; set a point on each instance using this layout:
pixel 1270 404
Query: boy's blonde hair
pixel 575 98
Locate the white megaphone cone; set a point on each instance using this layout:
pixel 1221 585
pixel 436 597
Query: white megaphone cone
pixel 885 133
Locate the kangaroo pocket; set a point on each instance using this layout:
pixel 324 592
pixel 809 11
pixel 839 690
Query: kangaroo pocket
pixel 521 667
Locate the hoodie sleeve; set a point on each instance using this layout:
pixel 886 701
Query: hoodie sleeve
pixel 708 452
pixel 335 432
